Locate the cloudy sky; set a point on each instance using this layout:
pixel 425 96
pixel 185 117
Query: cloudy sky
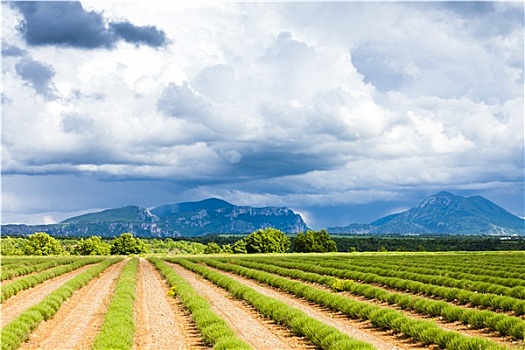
pixel 344 111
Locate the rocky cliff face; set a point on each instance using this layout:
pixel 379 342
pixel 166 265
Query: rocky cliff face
pixel 216 216
pixel 211 216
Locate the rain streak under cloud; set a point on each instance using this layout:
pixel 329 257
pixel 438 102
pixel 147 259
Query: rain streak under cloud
pixel 341 111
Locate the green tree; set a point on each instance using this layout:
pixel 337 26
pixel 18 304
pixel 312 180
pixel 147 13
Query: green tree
pixel 92 246
pixel 126 244
pixel 269 240
pixel 212 248
pixel 227 248
pixel 239 247
pixel 40 243
pixel 12 246
pixel 314 242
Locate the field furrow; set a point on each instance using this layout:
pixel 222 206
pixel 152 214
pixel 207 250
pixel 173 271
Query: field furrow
pixel 15 305
pixel 480 319
pixel 426 331
pixel 356 329
pixel 78 321
pixel 160 324
pixel 386 301
pixel 249 327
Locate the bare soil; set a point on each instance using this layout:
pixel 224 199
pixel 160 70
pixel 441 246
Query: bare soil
pixel 78 321
pixel 450 326
pixel 436 297
pixel 359 330
pixel 23 300
pixel 161 323
pixel 250 326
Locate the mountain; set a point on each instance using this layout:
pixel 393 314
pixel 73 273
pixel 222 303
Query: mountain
pixel 444 213
pixel 218 216
pixel 172 220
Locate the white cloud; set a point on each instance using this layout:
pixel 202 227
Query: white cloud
pixel 48 220
pixel 278 96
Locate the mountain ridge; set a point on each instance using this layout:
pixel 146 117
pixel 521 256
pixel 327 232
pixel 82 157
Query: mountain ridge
pixel 186 219
pixel 444 213
pixel 441 213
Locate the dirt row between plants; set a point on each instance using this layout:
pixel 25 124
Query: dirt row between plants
pixel 455 326
pixel 441 322
pixel 360 330
pixel 23 300
pixel 78 321
pixel 450 326
pixel 248 324
pixel 160 321
pixel 438 298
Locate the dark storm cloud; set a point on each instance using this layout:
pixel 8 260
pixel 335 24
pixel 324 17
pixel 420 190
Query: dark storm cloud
pixel 277 162
pixel 62 23
pixel 10 50
pixel 38 75
pixel 68 24
pixel 147 35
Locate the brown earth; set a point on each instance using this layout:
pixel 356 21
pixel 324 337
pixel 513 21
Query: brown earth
pixel 436 297
pixel 359 330
pixel 450 326
pixel 443 323
pixel 23 300
pixel 455 326
pixel 160 322
pixel 250 326
pixel 78 321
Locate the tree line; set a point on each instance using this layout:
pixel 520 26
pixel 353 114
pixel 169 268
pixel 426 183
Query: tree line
pixel 267 240
pixel 260 241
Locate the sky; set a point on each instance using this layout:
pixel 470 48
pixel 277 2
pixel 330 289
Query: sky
pixel 341 111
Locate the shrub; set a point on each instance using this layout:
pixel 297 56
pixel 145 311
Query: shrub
pixel 314 242
pixel 40 243
pixel 269 240
pixel 239 247
pixel 212 248
pixel 92 246
pixel 126 244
